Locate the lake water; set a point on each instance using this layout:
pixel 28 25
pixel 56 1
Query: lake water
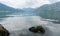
pixel 18 25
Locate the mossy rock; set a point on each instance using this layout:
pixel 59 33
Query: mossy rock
pixel 3 31
pixel 37 29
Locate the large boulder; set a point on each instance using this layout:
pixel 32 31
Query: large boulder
pixel 37 29
pixel 3 31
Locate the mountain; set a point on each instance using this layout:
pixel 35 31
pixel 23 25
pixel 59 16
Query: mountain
pixel 49 11
pixel 6 10
pixel 4 7
pixel 28 9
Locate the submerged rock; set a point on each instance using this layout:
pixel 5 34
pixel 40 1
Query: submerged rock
pixel 38 29
pixel 3 31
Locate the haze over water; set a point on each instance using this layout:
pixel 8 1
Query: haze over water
pixel 19 23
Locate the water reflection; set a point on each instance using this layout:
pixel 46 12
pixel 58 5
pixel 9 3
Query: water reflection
pixel 18 25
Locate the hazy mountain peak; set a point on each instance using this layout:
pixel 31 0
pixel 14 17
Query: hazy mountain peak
pixel 55 4
pixel 5 7
pixel 49 11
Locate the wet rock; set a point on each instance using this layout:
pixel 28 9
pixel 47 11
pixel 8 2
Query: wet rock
pixel 37 29
pixel 3 31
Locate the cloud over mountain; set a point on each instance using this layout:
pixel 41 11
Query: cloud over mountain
pixel 24 3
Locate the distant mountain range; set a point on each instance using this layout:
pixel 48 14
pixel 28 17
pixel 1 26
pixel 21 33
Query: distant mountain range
pixel 49 11
pixel 4 7
pixel 6 10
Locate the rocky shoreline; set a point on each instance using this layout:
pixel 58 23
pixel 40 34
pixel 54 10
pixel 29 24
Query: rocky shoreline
pixel 3 31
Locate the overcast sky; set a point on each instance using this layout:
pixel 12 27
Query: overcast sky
pixel 26 3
